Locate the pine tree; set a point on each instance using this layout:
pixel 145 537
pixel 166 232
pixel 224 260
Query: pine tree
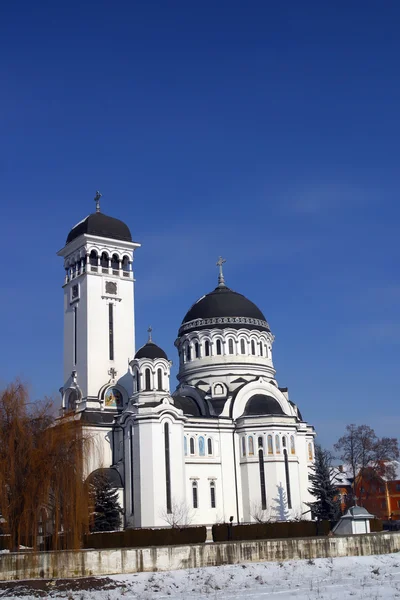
pixel 323 488
pixel 106 507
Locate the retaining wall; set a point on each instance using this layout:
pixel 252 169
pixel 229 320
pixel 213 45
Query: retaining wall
pixel 80 563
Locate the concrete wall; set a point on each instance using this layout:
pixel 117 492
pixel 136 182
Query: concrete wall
pixel 107 562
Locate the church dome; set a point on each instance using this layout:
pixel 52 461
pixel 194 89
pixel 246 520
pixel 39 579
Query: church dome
pixel 151 350
pixel 223 308
pixel 101 225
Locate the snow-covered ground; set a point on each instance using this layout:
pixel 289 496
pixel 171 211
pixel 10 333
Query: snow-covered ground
pixel 370 577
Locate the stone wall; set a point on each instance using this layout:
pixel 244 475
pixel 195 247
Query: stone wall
pixel 80 563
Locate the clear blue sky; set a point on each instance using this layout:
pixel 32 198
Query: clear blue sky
pixel 267 132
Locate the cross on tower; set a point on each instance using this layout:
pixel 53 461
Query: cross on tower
pixel 113 372
pixel 97 200
pixel 221 279
pixel 150 329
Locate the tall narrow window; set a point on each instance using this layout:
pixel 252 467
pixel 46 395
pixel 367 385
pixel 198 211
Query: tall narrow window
pixel 270 447
pixel 207 348
pixel 292 446
pixel 75 335
pixel 115 262
pixel 251 446
pixel 195 495
pixel 191 444
pixel 137 380
pixel 253 347
pixel 230 346
pixel 147 378
pixel 219 347
pixel 159 380
pixel 277 444
pixel 111 330
pixel 288 490
pixel 202 447
pixel 188 352
pixel 212 494
pixel 209 446
pixel 93 258
pixel 266 351
pixel 262 479
pixel 185 445
pixel 131 459
pixel 261 348
pixel 310 452
pixel 244 445
pixel 167 468
pixel 104 262
pixel 197 349
pixel 261 442
pixel 242 347
pixel 125 264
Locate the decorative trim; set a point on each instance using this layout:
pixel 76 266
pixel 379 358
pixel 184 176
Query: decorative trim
pixel 196 323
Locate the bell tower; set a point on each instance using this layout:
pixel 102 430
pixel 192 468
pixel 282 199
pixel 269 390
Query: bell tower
pixel 99 336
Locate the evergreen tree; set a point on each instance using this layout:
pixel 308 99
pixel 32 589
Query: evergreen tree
pixel 323 488
pixel 106 507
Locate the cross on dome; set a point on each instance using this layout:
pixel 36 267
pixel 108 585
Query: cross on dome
pixel 149 331
pixel 97 200
pixel 221 279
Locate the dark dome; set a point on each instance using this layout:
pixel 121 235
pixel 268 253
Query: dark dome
pixel 102 226
pixel 151 350
pixel 261 404
pixel 223 308
pixel 111 475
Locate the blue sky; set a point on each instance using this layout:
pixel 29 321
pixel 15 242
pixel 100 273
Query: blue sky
pixel 261 131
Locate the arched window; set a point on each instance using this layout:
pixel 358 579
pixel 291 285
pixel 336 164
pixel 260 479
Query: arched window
pixel 147 380
pixel 209 446
pixel 287 477
pixel 277 444
pixel 104 261
pixel 185 445
pixel 159 379
pixel 115 262
pixel 188 352
pixel 270 447
pixel 218 389
pixel 310 452
pixel 266 351
pixel 292 446
pixel 93 258
pixel 242 347
pixel 253 347
pixel 202 447
pixel 261 349
pixel 125 264
pixel 212 494
pixel 260 442
pixel 191 445
pixel 207 348
pixel 243 446
pixel 72 400
pixel 284 441
pixel 230 346
pixel 251 446
pixel 195 495
pixel 137 380
pixel 197 350
pixel 219 347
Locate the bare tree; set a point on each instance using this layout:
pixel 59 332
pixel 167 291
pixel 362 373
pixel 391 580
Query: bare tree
pixel 366 454
pixel 260 514
pixel 41 472
pixel 181 514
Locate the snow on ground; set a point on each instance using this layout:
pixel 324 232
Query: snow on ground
pixel 370 577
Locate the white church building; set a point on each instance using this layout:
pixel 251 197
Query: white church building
pixel 227 442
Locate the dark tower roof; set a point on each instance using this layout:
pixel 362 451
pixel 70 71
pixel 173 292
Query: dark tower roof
pixel 103 226
pixel 151 350
pixel 223 308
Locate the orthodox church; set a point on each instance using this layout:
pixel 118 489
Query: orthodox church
pixel 227 442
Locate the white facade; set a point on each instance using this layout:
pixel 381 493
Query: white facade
pixel 227 442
